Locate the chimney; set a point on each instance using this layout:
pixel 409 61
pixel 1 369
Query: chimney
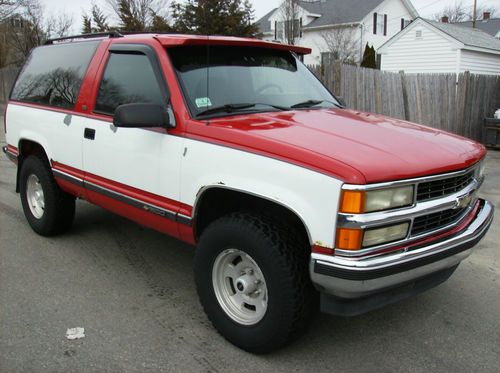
pixel 444 19
pixel 486 16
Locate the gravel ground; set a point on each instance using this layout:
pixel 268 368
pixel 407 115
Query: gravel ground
pixel 132 290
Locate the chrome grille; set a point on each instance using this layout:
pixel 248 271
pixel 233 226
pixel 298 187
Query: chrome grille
pixel 437 220
pixel 443 187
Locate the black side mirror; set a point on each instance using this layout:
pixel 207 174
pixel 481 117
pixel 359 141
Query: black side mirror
pixel 141 116
pixel 341 102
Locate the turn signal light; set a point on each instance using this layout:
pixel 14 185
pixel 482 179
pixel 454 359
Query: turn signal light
pixel 349 239
pixel 353 201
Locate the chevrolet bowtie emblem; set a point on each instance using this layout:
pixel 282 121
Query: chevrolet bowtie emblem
pixel 463 201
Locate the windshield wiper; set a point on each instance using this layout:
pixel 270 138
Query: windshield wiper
pixel 232 108
pixel 310 103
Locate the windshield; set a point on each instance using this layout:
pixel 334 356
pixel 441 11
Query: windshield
pixel 218 80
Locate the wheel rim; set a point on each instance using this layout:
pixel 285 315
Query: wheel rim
pixel 35 197
pixel 239 286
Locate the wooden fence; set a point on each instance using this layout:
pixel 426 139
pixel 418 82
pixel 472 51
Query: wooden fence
pixel 7 77
pixel 437 100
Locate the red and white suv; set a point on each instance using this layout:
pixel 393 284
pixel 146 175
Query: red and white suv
pixel 234 146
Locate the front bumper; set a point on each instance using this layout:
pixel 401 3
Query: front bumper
pixel 342 279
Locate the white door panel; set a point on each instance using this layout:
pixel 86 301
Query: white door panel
pixel 140 158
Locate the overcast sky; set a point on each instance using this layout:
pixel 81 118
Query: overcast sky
pixel 426 8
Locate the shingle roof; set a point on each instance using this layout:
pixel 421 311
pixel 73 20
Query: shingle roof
pixel 339 11
pixel 264 24
pixel 491 26
pixel 332 12
pixel 468 35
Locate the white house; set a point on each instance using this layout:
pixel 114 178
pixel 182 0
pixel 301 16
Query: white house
pixel 435 47
pixel 368 21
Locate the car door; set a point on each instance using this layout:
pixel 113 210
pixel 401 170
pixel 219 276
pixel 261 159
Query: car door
pixel 132 171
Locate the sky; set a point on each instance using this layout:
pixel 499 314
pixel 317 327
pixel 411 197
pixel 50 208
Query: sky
pixel 426 8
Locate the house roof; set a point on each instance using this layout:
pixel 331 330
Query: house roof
pixel 332 12
pixel 491 26
pixel 339 11
pixel 469 37
pixel 263 23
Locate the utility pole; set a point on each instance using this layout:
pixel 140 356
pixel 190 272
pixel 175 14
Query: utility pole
pixel 474 15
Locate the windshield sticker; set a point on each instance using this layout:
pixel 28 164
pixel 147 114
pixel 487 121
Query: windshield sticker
pixel 203 102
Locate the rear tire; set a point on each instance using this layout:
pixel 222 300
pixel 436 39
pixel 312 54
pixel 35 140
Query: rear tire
pixel 47 208
pixel 264 297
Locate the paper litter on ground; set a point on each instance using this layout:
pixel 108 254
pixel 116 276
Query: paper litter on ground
pixel 75 333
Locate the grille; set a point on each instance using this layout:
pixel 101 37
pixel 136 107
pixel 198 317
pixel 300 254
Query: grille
pixel 440 188
pixel 437 220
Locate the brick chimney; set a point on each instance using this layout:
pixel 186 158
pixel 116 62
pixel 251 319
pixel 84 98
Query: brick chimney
pixel 444 19
pixel 486 16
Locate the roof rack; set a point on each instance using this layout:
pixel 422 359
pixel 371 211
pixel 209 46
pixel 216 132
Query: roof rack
pixel 111 34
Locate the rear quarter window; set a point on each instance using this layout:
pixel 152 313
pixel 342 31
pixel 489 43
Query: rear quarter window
pixel 53 74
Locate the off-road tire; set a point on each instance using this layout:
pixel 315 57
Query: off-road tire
pixel 59 211
pixel 283 256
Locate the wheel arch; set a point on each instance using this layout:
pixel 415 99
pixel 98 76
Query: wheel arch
pixel 238 200
pixel 27 147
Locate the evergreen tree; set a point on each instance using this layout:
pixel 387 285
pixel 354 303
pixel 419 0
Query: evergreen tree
pixel 369 58
pixel 87 24
pixel 130 20
pixel 215 17
pixel 159 23
pixel 99 19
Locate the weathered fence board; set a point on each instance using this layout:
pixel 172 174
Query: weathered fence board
pixel 438 100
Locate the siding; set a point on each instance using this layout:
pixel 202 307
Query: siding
pixel 480 63
pixel 432 53
pixel 395 10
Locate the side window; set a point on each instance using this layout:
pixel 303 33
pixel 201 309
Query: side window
pixel 53 74
pixel 128 78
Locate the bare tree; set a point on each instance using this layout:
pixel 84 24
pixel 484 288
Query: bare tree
pixel 8 8
pixel 341 44
pixel 459 12
pixel 57 26
pixel 289 24
pixel 33 29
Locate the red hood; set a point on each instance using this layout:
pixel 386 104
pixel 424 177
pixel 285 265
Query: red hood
pixel 353 146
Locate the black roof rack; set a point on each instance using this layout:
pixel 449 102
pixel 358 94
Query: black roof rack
pixel 111 34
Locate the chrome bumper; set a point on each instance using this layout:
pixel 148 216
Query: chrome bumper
pixel 356 278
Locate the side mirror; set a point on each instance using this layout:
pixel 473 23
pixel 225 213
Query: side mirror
pixel 141 116
pixel 341 102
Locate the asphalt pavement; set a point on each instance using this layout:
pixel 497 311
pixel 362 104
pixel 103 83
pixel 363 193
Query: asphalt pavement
pixel 132 290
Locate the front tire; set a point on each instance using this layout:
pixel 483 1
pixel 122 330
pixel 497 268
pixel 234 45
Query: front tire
pixel 47 208
pixel 253 282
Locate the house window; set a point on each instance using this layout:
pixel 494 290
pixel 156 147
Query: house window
pixel 288 30
pixel 404 23
pixel 17 22
pixel 379 24
pixel 327 58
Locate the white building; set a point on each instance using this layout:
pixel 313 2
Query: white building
pixel 368 21
pixel 436 47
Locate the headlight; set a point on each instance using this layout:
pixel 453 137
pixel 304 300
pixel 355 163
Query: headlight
pixel 356 239
pixel 356 202
pixel 379 236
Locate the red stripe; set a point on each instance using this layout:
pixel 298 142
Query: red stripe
pixel 68 170
pixel 12 149
pixel 126 190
